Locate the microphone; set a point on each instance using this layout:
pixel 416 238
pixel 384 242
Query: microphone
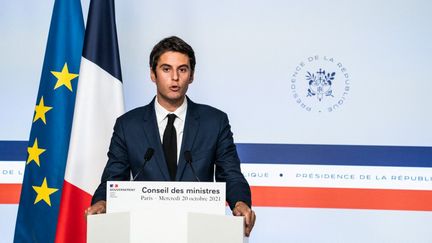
pixel 147 157
pixel 188 158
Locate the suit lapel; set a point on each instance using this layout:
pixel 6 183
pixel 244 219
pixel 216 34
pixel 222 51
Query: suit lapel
pixel 191 128
pixel 152 133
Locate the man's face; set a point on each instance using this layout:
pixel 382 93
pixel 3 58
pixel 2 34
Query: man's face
pixel 172 78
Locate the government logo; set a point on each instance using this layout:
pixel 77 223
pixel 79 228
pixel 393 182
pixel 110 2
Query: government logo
pixel 320 84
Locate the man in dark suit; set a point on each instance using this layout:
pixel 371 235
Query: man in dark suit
pixel 171 125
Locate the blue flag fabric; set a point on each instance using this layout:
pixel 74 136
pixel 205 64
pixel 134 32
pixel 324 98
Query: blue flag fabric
pixel 51 126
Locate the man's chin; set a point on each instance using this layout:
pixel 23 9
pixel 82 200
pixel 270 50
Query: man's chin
pixel 174 99
pixel 176 96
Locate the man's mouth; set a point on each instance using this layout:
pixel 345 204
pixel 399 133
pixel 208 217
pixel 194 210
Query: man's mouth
pixel 174 88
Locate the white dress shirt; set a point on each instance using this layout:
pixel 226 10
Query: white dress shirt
pixel 162 120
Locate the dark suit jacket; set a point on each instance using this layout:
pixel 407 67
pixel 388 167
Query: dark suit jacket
pixel 207 134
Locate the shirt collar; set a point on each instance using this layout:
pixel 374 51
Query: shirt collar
pixel 161 112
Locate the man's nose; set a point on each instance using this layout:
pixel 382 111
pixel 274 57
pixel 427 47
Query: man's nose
pixel 175 76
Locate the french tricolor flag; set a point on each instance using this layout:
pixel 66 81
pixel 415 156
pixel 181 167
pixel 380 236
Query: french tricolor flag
pixel 99 102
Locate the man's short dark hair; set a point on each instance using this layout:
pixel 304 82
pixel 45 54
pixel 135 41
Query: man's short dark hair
pixel 172 43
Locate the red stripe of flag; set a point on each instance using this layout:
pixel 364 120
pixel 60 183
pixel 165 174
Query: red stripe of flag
pixel 72 214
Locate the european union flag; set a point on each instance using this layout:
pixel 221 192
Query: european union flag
pixel 51 127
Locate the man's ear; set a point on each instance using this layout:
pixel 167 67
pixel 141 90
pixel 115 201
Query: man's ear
pixel 152 75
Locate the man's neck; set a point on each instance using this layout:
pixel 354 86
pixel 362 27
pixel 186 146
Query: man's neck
pixel 170 106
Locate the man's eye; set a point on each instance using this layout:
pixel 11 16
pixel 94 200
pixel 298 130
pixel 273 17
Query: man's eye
pixel 183 70
pixel 165 69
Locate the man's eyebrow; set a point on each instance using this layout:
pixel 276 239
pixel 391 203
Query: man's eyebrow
pixel 184 65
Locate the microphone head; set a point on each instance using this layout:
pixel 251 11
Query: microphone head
pixel 149 154
pixel 188 156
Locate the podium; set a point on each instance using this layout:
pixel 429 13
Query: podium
pixel 165 212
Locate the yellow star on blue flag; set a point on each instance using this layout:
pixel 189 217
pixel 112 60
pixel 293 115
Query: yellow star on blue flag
pixel 44 192
pixel 41 110
pixel 34 152
pixel 64 77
